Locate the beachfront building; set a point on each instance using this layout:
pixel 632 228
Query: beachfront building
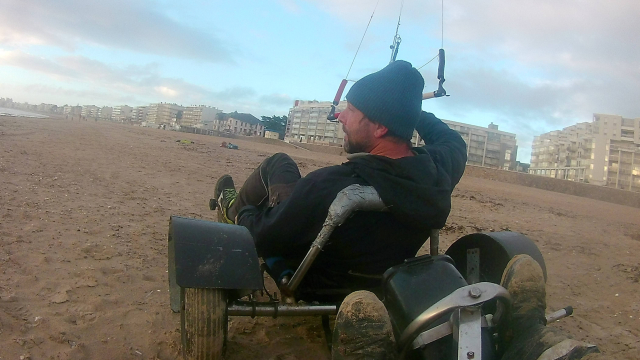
pixel 7 103
pixel 139 114
pixel 162 113
pixel 605 151
pixel 488 147
pixel 238 124
pixel 89 111
pixel 48 108
pixel 307 122
pixel 121 113
pixel 105 113
pixel 72 110
pixel 271 134
pixel 199 116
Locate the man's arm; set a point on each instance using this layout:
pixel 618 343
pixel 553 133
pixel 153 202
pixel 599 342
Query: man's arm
pixel 446 146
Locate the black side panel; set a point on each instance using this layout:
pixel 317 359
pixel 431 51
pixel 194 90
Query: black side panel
pixel 496 250
pixel 412 287
pixel 208 254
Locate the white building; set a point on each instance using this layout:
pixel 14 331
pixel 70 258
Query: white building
pixel 163 113
pixel 605 151
pixel 121 113
pixel 139 114
pixel 239 124
pixel 199 116
pixel 89 111
pixel 307 122
pixel 488 147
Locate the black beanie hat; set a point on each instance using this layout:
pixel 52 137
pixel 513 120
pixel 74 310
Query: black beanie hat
pixel 391 97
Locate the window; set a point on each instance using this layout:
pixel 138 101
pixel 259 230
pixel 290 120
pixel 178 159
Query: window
pixel 627 133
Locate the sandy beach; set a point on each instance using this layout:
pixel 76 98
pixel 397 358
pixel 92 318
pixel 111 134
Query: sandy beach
pixel 83 244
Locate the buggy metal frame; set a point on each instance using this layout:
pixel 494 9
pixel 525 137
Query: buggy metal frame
pixel 211 255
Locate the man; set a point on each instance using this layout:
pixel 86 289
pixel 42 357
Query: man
pixel 285 212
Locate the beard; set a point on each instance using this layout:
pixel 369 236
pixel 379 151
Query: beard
pixel 352 147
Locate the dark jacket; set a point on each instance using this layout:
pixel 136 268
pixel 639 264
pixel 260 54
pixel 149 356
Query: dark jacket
pixel 417 190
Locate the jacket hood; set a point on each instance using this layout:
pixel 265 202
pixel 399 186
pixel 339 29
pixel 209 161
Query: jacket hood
pixel 415 190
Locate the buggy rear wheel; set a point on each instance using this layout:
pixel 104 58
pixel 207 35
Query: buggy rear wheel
pixel 203 323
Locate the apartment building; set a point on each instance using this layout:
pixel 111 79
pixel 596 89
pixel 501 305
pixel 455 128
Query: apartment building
pixel 307 122
pixel 563 154
pixel 488 147
pixel 51 108
pixel 271 135
pixel 121 113
pixel 139 114
pixel 105 112
pixel 163 113
pixel 89 111
pixel 72 110
pixel 7 103
pixel 605 152
pixel 201 115
pixel 238 124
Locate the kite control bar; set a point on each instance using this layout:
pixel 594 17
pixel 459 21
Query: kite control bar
pixel 430 95
pixel 441 91
pixel 336 100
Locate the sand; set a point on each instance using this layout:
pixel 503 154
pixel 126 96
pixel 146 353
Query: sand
pixel 83 244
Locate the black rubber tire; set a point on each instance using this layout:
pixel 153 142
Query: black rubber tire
pixel 203 323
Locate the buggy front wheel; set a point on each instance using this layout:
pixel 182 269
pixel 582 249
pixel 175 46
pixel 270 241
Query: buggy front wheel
pixel 203 323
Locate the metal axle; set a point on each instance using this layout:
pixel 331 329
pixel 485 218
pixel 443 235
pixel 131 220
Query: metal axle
pixel 277 309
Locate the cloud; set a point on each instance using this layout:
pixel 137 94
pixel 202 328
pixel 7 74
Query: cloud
pixel 290 5
pixel 236 93
pixel 79 76
pixel 135 26
pixel 134 79
pixel 575 34
pixel 276 99
pixel 166 91
pixel 30 62
pixel 61 95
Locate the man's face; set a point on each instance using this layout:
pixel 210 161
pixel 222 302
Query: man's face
pixel 358 130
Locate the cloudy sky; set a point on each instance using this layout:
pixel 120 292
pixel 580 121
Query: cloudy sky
pixel 529 66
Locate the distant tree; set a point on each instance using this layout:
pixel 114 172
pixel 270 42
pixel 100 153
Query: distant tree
pixel 274 123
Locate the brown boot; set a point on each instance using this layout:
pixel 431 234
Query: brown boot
pixel 362 329
pixel 524 334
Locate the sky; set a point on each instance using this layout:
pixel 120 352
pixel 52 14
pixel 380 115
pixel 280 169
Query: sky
pixel 528 66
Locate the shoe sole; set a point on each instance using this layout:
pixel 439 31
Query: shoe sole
pixel 213 203
pixel 218 191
